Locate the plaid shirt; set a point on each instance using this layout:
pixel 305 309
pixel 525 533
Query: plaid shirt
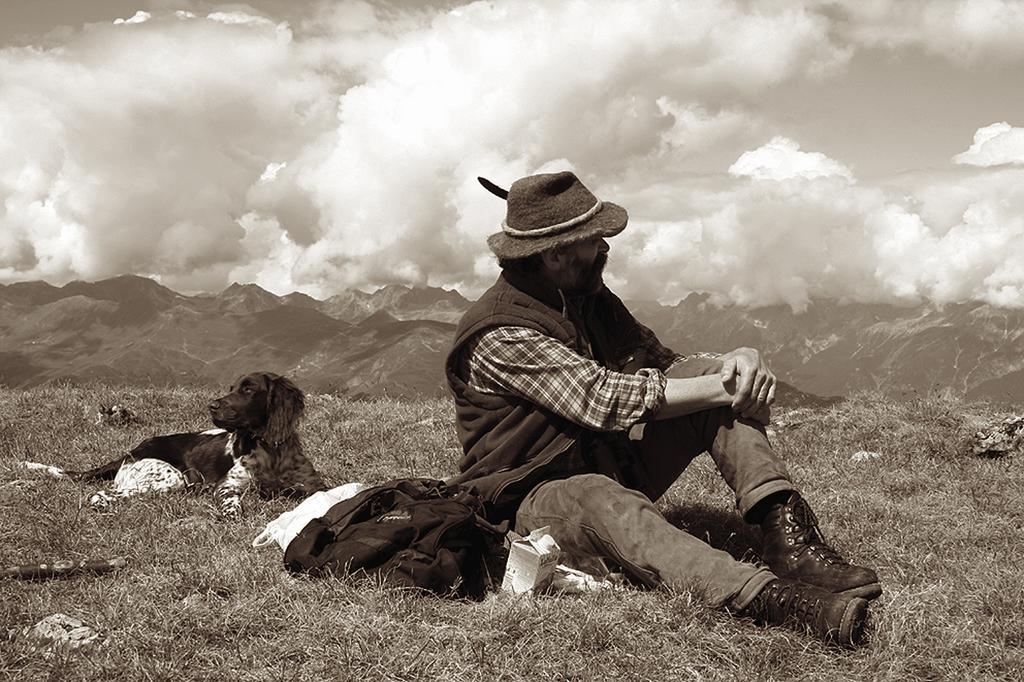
pixel 527 363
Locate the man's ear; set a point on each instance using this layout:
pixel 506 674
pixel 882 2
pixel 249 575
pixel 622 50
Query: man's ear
pixel 553 258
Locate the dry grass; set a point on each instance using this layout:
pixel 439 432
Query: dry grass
pixel 197 602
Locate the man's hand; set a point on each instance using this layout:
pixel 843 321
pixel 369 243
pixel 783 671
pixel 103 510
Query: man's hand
pixel 764 415
pixel 748 379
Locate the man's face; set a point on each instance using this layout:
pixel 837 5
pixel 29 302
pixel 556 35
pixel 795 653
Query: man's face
pixel 584 265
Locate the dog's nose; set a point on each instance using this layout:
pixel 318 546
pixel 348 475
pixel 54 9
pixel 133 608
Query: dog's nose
pixel 214 406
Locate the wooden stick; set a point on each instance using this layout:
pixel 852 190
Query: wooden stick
pixel 60 569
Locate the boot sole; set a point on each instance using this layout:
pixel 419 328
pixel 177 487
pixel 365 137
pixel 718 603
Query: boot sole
pixel 851 625
pixel 869 591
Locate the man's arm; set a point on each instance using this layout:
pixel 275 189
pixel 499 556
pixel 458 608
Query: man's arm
pixel 531 365
pixel 748 384
pixel 694 394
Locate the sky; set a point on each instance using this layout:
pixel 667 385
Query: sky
pixel 768 152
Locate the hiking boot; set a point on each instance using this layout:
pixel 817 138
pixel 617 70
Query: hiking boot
pixel 835 618
pixel 795 548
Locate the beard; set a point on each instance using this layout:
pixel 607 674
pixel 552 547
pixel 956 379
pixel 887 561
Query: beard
pixel 588 280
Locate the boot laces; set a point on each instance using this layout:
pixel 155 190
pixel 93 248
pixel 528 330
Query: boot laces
pixel 807 534
pixel 794 604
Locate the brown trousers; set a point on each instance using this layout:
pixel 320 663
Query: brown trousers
pixel 609 514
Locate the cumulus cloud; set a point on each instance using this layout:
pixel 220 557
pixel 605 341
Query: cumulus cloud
pixel 240 19
pixel 341 150
pixel 993 145
pixel 139 17
pixel 496 89
pixel 694 128
pixel 943 237
pixel 352 37
pixel 268 255
pixel 962 30
pixel 781 159
pixel 112 162
pixel 170 127
pixel 753 243
pixel 269 173
pixel 968 226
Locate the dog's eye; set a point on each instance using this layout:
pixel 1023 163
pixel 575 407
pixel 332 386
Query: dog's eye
pixel 247 390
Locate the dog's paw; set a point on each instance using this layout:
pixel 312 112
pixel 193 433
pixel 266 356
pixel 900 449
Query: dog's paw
pixel 231 508
pixel 101 500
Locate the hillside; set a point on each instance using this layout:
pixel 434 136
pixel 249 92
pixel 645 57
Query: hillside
pixel 971 349
pixel 132 330
pixel 198 602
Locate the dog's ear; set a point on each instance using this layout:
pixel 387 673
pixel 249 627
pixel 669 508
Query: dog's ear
pixel 286 405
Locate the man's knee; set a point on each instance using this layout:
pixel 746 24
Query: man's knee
pixel 579 498
pixel 566 492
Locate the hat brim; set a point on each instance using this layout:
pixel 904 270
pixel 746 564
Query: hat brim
pixel 608 222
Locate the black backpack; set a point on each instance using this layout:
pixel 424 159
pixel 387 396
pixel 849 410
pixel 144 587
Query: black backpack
pixel 411 532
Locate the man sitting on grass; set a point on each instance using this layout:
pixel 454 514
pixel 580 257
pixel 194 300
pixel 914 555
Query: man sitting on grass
pixel 572 415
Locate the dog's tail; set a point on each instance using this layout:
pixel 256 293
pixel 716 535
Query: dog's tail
pixel 104 471
pixel 45 469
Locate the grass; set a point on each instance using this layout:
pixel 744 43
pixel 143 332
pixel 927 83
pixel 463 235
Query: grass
pixel 943 528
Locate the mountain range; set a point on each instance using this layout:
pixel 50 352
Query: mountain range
pixel 969 349
pixel 132 330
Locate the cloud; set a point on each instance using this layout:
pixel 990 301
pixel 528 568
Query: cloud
pixel 497 90
pixel 341 150
pixel 139 17
pixel 968 31
pixel 112 162
pixel 384 192
pixel 957 240
pixel 781 159
pixel 752 243
pixel 269 173
pixel 351 38
pixel 695 129
pixel 993 145
pixel 943 237
pixel 269 256
pixel 240 19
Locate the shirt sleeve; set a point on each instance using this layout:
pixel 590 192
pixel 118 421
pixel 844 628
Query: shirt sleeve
pixel 529 364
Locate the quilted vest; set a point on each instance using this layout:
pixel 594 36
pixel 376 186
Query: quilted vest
pixel 510 444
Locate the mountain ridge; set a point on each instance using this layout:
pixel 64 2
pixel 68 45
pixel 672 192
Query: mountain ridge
pixel 131 329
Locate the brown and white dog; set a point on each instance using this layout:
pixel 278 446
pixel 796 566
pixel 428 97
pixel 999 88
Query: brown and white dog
pixel 255 446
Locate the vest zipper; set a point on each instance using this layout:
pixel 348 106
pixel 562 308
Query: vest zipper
pixel 546 460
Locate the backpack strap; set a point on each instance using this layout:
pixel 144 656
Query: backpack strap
pixel 500 530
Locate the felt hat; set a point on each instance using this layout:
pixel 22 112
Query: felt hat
pixel 549 210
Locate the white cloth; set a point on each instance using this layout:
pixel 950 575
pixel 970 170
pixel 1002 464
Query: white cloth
pixel 285 527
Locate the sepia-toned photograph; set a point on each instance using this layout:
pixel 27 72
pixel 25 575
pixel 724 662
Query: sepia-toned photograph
pixel 511 340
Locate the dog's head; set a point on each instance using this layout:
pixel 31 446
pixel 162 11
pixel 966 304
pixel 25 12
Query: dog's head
pixel 261 403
